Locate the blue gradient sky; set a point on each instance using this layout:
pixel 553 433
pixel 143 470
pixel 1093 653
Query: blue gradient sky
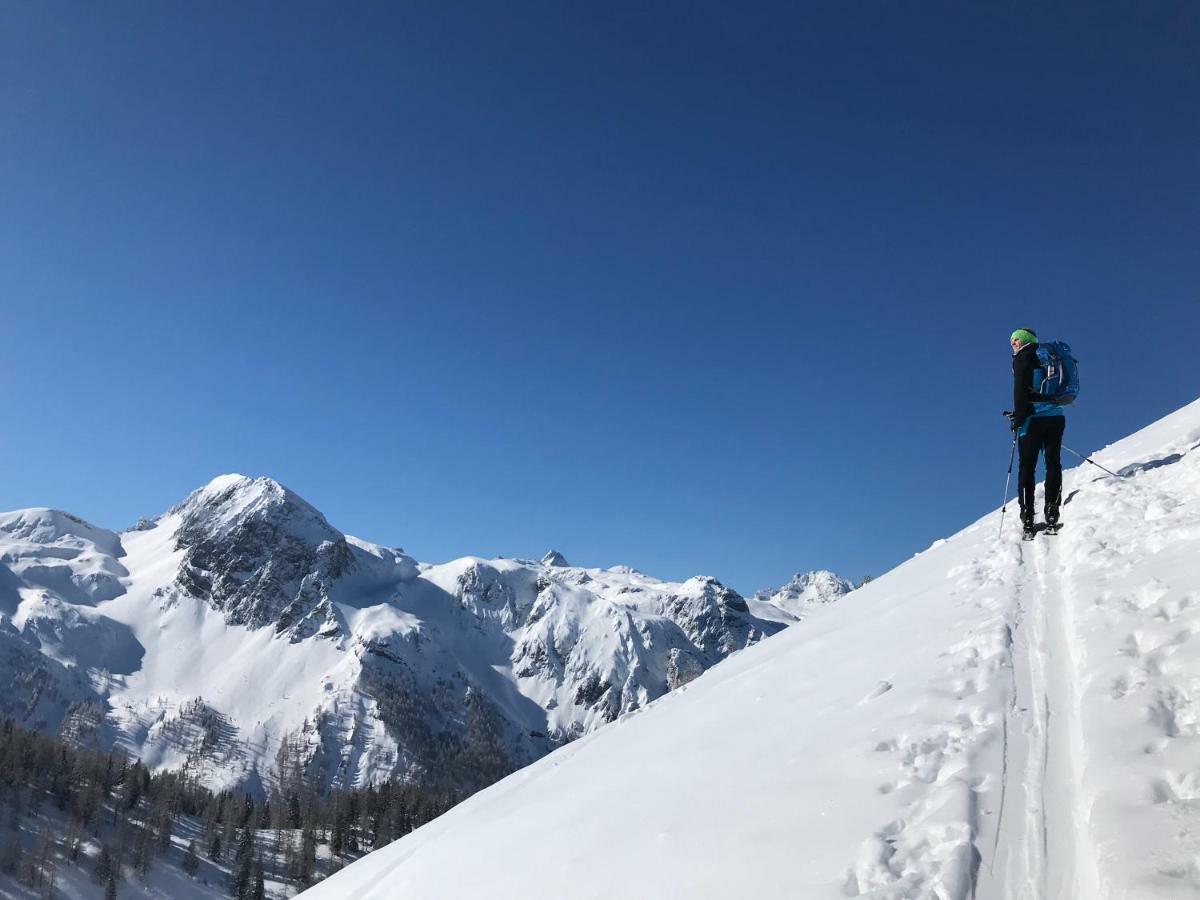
pixel 685 286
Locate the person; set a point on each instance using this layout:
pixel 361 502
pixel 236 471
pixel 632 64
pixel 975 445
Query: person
pixel 1038 426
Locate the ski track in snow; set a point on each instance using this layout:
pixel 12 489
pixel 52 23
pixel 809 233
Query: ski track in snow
pixel 994 720
pixel 1039 840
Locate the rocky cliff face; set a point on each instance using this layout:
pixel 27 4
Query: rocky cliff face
pixel 603 643
pixel 265 558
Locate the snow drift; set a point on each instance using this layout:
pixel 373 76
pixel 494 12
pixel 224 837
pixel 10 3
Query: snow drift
pixel 992 719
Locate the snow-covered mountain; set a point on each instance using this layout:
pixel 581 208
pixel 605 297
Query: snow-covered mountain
pixel 241 636
pixel 805 590
pixel 992 719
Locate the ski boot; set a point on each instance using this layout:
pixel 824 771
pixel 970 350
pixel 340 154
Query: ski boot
pixel 1052 523
pixel 1028 531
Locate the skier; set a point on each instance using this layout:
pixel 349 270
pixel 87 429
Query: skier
pixel 1038 426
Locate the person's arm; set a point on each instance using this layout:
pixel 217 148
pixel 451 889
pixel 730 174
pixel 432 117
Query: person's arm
pixel 1023 366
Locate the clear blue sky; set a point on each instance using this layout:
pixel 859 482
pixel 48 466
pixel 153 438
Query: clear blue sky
pixel 698 288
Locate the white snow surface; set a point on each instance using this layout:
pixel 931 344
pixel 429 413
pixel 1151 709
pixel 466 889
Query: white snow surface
pixel 992 719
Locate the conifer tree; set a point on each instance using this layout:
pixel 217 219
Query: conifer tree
pixel 163 835
pixel 104 865
pixel 260 888
pixel 243 879
pixel 191 862
pixel 43 857
pixel 10 861
pixel 143 852
pixel 74 838
pixel 308 855
pixel 243 867
pixel 17 810
pixel 48 891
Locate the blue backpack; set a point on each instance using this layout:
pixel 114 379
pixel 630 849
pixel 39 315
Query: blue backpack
pixel 1060 381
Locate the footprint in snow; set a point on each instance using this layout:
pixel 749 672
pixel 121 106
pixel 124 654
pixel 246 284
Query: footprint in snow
pixel 1124 685
pixel 880 689
pixel 1176 713
pixel 1133 645
pixel 1177 787
pixel 1168 611
pixel 1187 872
pixel 1147 595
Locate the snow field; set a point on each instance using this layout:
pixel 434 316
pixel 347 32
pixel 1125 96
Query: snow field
pixel 992 719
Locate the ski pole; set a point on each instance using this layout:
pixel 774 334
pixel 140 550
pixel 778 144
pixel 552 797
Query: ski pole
pixel 1007 481
pixel 1093 462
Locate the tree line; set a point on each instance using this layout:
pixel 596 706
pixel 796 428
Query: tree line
pixel 120 819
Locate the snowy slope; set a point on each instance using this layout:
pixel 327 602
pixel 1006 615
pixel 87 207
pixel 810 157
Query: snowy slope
pixel 242 637
pixel 992 719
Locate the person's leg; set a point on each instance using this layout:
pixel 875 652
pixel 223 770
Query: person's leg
pixel 1028 445
pixel 1052 445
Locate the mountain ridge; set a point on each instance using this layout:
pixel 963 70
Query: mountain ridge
pixel 242 637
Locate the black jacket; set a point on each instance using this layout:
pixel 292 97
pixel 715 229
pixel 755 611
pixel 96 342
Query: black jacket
pixel 1024 362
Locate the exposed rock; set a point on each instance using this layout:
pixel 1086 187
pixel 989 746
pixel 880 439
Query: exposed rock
pixel 682 667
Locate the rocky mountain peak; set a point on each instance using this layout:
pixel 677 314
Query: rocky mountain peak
pixel 806 589
pixel 261 554
pixel 230 502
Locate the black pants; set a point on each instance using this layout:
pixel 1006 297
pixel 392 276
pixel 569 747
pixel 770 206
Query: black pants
pixel 1044 433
